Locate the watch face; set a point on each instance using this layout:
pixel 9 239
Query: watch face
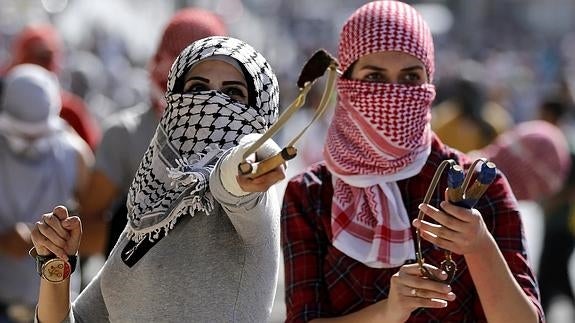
pixel 56 270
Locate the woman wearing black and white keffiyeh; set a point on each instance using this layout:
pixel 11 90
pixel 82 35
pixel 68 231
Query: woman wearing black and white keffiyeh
pixel 201 244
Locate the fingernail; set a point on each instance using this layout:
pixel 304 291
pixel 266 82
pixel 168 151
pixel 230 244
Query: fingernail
pixel 451 295
pixel 421 206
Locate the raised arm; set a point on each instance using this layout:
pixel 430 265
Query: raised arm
pixel 56 234
pixel 251 204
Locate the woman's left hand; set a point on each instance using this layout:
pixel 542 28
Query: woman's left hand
pixel 459 230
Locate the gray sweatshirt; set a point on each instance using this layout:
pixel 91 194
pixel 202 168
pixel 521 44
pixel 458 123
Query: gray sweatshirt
pixel 218 267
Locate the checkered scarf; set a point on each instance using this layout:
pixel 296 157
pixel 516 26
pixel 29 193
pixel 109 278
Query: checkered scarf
pixel 380 134
pixel 172 179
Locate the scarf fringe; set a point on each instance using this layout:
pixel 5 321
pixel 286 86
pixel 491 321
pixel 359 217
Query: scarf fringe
pixel 195 178
pixel 197 204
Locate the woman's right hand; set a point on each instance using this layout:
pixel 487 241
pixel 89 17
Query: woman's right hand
pixel 57 233
pixel 410 290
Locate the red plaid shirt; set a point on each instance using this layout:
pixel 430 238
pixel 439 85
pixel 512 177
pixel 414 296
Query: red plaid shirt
pixel 323 282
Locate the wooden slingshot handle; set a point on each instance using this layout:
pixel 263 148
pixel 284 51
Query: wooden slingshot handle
pixel 253 170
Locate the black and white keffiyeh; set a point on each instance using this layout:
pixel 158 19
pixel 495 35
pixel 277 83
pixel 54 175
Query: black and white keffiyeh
pixel 172 179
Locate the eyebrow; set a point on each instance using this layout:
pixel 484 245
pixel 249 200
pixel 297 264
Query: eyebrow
pixel 377 68
pixel 225 83
pixel 234 83
pixel 198 78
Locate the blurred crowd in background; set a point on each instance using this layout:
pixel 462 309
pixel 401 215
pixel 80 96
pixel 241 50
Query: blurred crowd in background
pixel 519 51
pixel 499 63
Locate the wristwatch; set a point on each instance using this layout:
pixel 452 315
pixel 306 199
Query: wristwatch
pixel 52 268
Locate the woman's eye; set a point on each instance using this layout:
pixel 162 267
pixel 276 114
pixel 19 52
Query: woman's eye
pixel 375 77
pixel 235 93
pixel 195 87
pixel 411 79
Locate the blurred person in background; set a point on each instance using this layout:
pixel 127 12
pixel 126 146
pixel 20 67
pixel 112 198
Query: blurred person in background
pixel 86 76
pixel 535 158
pixel 559 228
pixel 201 243
pixel 41 45
pixel 128 133
pixel 349 223
pixel 465 119
pixel 43 163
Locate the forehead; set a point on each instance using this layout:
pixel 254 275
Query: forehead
pixel 215 69
pixel 389 58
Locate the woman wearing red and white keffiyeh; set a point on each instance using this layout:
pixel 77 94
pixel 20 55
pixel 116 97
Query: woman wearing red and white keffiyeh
pixel 348 223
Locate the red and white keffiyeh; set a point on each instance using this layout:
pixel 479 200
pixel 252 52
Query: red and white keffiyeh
pixel 380 134
pixel 534 156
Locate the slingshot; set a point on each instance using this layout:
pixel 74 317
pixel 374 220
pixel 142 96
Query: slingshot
pixel 314 68
pixel 459 194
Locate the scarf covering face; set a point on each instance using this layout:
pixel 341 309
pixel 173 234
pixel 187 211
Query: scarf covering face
pixel 380 134
pixel 172 179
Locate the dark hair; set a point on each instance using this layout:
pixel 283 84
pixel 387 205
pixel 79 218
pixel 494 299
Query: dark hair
pixel 555 107
pixel 347 73
pixel 251 86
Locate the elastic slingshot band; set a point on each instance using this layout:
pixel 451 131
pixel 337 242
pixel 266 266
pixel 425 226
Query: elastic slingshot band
pixel 314 68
